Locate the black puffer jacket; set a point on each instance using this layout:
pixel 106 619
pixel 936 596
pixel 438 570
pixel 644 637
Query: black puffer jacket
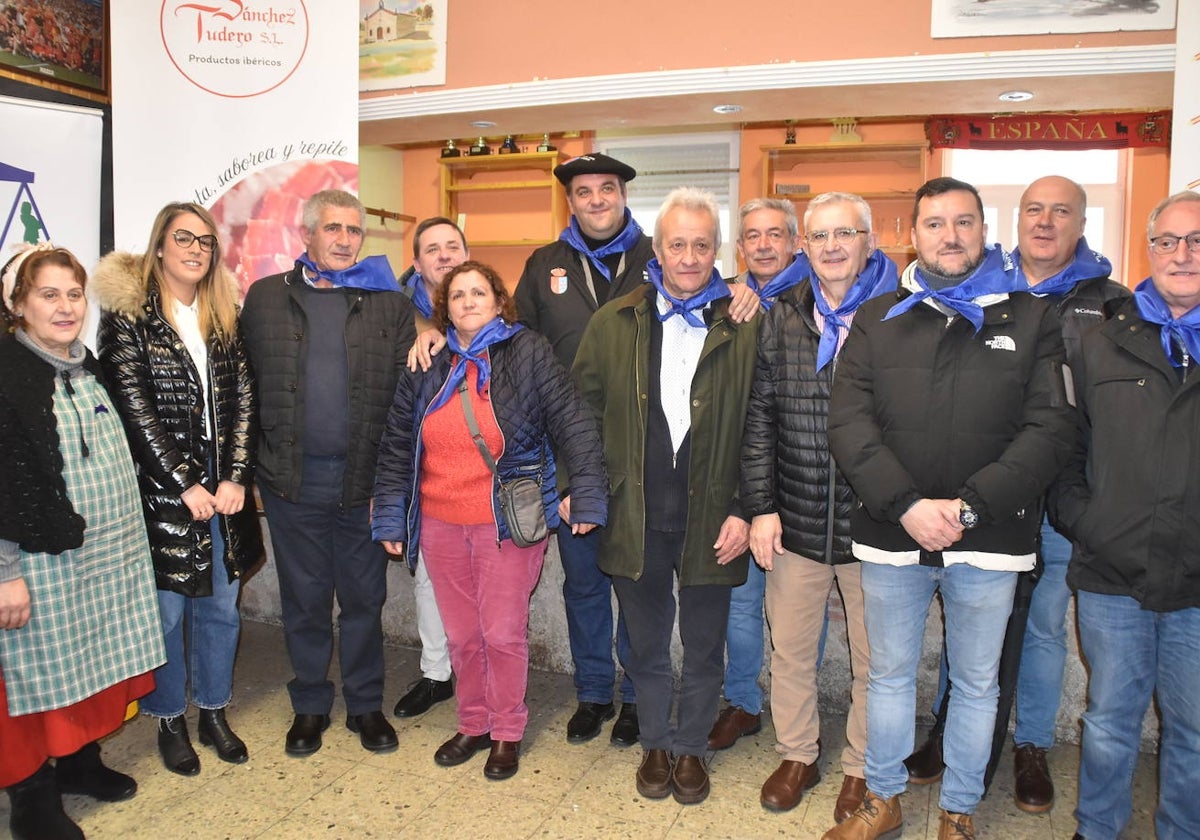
pixel 379 333
pixel 159 394
pixel 787 467
pixel 534 401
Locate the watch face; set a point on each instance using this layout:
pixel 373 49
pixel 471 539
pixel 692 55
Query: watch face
pixel 968 517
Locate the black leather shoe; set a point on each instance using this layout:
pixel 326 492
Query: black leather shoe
pixel 422 696
pixel 175 747
pixel 503 761
pixel 625 730
pixel 84 773
pixel 925 766
pixel 214 732
pixel 376 734
pixel 585 724
pixel 37 812
pixel 460 748
pixel 304 738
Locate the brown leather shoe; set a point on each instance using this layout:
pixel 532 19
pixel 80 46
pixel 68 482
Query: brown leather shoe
pixel 732 724
pixel 461 747
pixel 689 780
pixel 783 789
pixel 503 761
pixel 926 766
pixel 955 826
pixel 654 774
pixel 853 790
pixel 1034 788
pixel 875 819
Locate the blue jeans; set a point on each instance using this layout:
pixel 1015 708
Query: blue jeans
pixel 201 637
pixel 896 603
pixel 744 642
pixel 587 595
pixel 1044 653
pixel 1133 653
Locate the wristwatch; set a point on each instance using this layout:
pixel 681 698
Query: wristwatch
pixel 967 516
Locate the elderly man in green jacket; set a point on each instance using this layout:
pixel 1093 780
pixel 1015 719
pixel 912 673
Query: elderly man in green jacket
pixel 668 373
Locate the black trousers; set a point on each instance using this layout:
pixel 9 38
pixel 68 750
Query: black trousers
pixel 648 605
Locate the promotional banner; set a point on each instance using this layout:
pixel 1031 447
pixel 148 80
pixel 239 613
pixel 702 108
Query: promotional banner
pixel 50 178
pixel 1185 143
pixel 247 109
pixel 1050 131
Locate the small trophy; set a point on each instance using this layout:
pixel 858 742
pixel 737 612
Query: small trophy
pixel 789 139
pixel 451 150
pixel 545 146
pixel 479 147
pixel 509 146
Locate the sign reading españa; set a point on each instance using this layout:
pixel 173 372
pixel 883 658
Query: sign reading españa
pixel 1050 131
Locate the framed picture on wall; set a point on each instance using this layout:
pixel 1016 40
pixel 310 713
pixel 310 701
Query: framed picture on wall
pixel 959 18
pixel 63 42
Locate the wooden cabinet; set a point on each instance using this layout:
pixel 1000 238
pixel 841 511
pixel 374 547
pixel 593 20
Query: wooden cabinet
pixel 887 175
pixel 505 200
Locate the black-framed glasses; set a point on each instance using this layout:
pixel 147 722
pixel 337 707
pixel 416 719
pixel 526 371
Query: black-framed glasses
pixel 184 239
pixel 1168 243
pixel 842 236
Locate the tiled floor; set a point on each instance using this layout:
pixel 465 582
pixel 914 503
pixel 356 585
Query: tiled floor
pixel 562 791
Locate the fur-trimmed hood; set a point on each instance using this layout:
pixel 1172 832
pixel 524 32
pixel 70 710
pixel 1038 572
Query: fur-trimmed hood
pixel 117 284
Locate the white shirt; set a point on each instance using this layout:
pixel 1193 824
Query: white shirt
pixel 187 322
pixel 681 347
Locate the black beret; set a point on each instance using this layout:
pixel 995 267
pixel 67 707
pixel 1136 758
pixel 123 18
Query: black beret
pixel 593 164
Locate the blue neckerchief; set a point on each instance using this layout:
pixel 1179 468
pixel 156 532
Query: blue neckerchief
pixel 624 241
pixel 1154 310
pixel 493 331
pixel 794 273
pixel 995 275
pixel 715 290
pixel 374 273
pixel 1087 265
pixel 420 295
pixel 879 275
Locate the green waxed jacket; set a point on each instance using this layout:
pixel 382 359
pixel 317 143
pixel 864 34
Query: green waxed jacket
pixel 612 369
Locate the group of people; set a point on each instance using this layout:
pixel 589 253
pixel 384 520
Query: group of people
pixel 710 450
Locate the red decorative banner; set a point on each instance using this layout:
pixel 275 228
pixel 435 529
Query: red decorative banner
pixel 1050 131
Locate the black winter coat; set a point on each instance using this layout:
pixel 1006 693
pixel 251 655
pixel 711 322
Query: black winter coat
pixel 534 401
pixel 925 408
pixel 1130 499
pixel 787 467
pixel 379 333
pixel 159 393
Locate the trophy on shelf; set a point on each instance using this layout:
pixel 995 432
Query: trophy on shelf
pixel 479 147
pixel 545 146
pixel 789 139
pixel 451 150
pixel 509 146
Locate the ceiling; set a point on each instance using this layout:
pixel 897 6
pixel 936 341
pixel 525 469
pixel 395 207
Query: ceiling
pixel 1112 79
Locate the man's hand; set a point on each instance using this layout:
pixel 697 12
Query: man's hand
pixel 933 523
pixel 394 548
pixel 427 345
pixel 230 497
pixel 766 540
pixel 744 304
pixel 577 528
pixel 14 604
pixel 733 540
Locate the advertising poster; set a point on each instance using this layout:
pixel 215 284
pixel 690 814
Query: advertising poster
pixel 246 109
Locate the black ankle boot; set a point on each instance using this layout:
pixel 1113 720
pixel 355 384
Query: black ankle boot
pixel 176 748
pixel 214 731
pixel 84 773
pixel 37 812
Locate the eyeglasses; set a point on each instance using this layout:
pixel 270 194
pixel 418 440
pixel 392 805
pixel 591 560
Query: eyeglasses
pixel 1168 243
pixel 184 239
pixel 677 247
pixel 843 236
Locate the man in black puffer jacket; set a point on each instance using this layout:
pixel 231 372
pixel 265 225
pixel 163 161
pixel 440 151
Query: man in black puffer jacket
pixel 798 498
pixel 327 341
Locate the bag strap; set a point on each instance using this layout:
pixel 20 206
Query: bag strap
pixel 473 426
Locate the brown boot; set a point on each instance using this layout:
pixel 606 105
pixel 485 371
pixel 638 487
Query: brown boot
pixel 875 819
pixel 925 766
pixel 955 826
pixel 853 790
pixel 732 723
pixel 1034 789
pixel 783 789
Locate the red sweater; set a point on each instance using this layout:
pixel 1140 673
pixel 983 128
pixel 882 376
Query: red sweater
pixel 456 484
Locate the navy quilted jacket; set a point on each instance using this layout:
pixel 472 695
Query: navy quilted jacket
pixel 535 402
